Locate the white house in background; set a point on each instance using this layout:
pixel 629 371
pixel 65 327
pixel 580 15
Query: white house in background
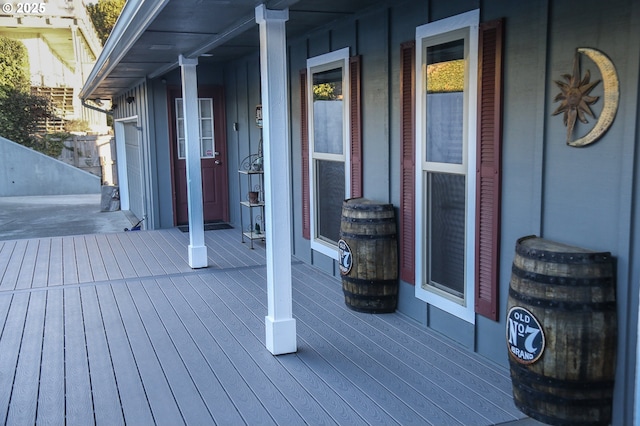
pixel 63 47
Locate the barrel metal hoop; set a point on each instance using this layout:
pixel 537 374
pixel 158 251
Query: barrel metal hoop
pixel 369 296
pixel 557 280
pixel 542 396
pixel 538 379
pixel 363 281
pixel 554 420
pixel 562 257
pixel 369 207
pixel 366 236
pixel 563 305
pixel 372 220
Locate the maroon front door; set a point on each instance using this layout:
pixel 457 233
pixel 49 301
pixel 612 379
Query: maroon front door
pixel 213 150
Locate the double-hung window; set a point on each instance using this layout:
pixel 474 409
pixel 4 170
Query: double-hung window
pixel 329 153
pixel 446 84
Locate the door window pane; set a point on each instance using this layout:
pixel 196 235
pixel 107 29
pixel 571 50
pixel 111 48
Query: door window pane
pixel 206 107
pixel 181 148
pixel 179 110
pixel 207 147
pixel 180 128
pixel 445 102
pixel 330 191
pixel 206 128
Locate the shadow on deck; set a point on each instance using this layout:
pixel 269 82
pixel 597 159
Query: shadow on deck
pixel 116 328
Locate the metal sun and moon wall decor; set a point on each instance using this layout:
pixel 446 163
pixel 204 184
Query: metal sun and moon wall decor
pixel 575 98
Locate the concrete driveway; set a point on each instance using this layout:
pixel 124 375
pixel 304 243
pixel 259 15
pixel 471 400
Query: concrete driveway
pixel 57 215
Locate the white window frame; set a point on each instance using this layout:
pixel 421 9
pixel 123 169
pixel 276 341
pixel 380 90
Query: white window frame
pixel 178 110
pixel 328 61
pixel 426 35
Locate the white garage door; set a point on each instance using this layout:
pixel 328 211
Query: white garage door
pixel 134 169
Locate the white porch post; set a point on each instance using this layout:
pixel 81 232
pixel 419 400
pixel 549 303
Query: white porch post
pixel 280 325
pixel 197 249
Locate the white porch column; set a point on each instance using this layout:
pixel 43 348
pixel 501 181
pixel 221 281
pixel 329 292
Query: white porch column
pixel 197 249
pixel 280 325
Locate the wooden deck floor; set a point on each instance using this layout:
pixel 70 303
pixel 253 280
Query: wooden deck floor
pixel 116 328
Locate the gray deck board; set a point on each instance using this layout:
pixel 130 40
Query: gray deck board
pixel 6 249
pixel 195 315
pixel 121 256
pixel 51 395
pixel 186 393
pixel 41 269
pixel 304 393
pixel 159 394
pixel 98 269
pixel 171 259
pixel 363 371
pixel 391 372
pixel 461 373
pixel 274 372
pixel 24 397
pixel 173 250
pixel 213 394
pixel 27 266
pixel 227 331
pixel 478 382
pixel 85 273
pixel 358 404
pixel 79 403
pixel 432 376
pixel 108 258
pixel 10 348
pixel 69 262
pixel 11 273
pixel 116 329
pixel 106 399
pixel 150 259
pixel 133 397
pixel 226 252
pixel 5 305
pixel 134 256
pixel 56 275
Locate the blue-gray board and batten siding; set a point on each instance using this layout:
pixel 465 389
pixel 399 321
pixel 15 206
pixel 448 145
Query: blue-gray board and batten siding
pixel 587 197
pixel 116 328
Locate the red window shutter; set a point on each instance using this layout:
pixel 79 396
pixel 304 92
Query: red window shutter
pixel 304 142
pixel 356 127
pixel 488 169
pixel 407 180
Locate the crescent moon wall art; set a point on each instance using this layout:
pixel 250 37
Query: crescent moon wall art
pixel 575 99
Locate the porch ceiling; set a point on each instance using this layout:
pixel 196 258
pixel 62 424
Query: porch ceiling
pixel 215 31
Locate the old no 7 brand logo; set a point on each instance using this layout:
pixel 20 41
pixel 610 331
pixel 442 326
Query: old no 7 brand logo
pixel 525 336
pixel 344 254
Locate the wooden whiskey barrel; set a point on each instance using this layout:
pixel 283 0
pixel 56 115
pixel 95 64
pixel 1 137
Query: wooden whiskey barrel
pixel 368 253
pixel 562 332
